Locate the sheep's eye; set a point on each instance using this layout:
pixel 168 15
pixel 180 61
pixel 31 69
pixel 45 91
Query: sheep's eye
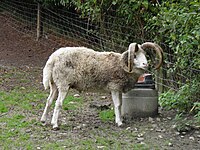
pixel 134 56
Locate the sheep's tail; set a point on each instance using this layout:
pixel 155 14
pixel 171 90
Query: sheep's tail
pixel 47 73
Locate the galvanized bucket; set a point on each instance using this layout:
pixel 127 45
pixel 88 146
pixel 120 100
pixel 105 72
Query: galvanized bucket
pixel 142 101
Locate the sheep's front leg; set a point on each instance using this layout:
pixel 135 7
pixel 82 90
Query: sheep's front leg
pixel 58 106
pixel 117 100
pixel 52 96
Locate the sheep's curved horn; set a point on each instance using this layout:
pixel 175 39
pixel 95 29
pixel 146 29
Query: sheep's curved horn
pixel 158 50
pixel 128 57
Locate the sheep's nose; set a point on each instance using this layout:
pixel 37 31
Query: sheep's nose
pixel 145 64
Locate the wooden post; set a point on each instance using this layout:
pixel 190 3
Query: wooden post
pixel 159 80
pixel 38 22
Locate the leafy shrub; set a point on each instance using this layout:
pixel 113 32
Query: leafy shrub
pixel 177 26
pixel 184 100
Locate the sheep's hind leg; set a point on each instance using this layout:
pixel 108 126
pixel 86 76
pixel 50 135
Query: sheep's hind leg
pixel 53 94
pixel 59 102
pixel 117 100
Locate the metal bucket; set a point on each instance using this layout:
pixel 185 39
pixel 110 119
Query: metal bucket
pixel 142 101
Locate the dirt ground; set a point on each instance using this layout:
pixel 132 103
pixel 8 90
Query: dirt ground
pixel 23 51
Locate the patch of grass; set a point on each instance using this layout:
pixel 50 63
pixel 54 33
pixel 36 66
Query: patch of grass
pixel 55 145
pixel 21 98
pixel 107 115
pixel 71 103
pixel 3 107
pixel 109 142
pixel 18 103
pixel 12 133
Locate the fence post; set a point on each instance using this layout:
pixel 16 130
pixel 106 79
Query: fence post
pixel 159 81
pixel 38 22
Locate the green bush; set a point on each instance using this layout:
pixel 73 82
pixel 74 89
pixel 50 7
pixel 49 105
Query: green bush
pixel 186 99
pixel 177 26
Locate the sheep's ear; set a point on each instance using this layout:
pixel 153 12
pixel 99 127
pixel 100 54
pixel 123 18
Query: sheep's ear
pixel 128 57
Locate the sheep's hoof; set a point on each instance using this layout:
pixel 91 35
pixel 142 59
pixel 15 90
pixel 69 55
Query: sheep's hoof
pixel 120 124
pixel 43 121
pixel 56 128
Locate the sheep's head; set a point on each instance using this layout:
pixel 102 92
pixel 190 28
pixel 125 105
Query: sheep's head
pixel 134 57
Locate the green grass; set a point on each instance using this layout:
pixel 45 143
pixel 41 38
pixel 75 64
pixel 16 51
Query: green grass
pixel 3 108
pixel 108 142
pixel 20 98
pixel 29 99
pixel 71 103
pixel 14 106
pixel 19 104
pixel 13 132
pixel 107 115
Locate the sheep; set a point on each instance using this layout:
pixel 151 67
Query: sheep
pixel 84 69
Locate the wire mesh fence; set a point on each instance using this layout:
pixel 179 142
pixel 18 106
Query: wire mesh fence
pixel 63 26
pixel 21 15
